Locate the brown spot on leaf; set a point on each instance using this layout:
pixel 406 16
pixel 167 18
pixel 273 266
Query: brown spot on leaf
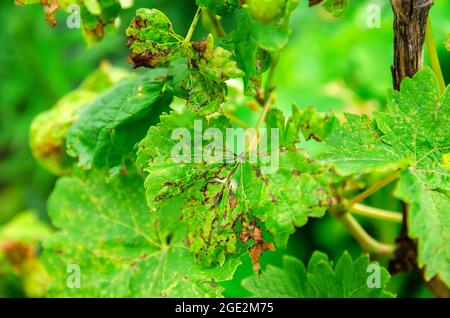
pixel 259 246
pixel 232 201
pixel 147 58
pixel 273 199
pixel 200 47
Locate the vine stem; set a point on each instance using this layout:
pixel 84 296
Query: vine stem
pixel 193 26
pixel 375 213
pixel 374 188
pixel 367 243
pixel 255 140
pixel 434 58
pixel 264 113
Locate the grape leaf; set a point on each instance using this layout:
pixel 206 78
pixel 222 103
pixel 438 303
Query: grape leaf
pixel 254 41
pixel 226 200
pixel 429 222
pixel 199 69
pixel 417 126
pixel 348 279
pixel 208 206
pixel 97 16
pixel 356 147
pixel 219 7
pixel 121 249
pixel 48 131
pixel 310 123
pixel 107 131
pixel 152 40
pixel 413 134
pixel 286 199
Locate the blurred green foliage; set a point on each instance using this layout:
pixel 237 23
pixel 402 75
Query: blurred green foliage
pixel 332 63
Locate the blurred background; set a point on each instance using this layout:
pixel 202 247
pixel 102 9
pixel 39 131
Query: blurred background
pixel 331 63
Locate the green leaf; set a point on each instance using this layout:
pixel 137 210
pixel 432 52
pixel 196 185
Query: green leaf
pixel 306 122
pixel 219 7
pixel 107 131
pixel 49 129
pixel 286 199
pixel 413 134
pixel 97 22
pixel 417 126
pixel 207 209
pixel 198 69
pixel 125 251
pixel 223 198
pixel 255 41
pixel 356 147
pixel 348 279
pixel 429 223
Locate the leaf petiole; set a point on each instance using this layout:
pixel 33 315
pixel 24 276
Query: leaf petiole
pixel 375 213
pixel 188 37
pixel 374 188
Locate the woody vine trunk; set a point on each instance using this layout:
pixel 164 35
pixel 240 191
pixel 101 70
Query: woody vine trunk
pixel 410 21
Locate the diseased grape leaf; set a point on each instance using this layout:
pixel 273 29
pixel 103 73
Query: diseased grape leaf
pixel 286 199
pixel 49 129
pixel 348 279
pixel 429 223
pixel 121 249
pixel 107 130
pixel 226 201
pixel 310 123
pixel 209 209
pixel 152 40
pixel 199 69
pixel 97 16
